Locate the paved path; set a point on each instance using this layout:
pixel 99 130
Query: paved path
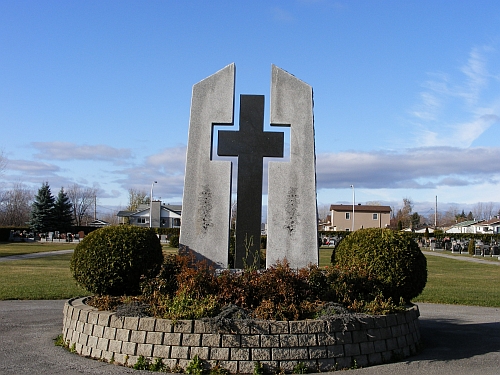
pixel 458 340
pixel 35 255
pixel 464 258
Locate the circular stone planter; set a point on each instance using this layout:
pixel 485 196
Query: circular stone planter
pixel 318 344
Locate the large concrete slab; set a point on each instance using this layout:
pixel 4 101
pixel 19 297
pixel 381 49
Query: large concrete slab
pixel 207 185
pixel 292 231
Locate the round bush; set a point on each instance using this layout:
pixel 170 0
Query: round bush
pixel 112 260
pixel 392 259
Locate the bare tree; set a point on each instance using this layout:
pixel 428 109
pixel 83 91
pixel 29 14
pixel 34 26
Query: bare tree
pixel 484 210
pixel 15 205
pixel 323 211
pixel 83 199
pixel 137 197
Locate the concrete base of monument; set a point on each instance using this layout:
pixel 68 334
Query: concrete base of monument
pixel 319 345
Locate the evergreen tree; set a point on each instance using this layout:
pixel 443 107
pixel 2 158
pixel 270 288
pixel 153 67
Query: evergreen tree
pixel 63 212
pixel 42 210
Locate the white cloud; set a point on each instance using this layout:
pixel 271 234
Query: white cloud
pixel 409 169
pixel 71 151
pixel 457 110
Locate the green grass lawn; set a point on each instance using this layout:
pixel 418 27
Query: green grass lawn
pixel 17 248
pixel 450 281
pixel 458 282
pixel 41 278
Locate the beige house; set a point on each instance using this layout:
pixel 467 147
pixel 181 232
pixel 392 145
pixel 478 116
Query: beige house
pixel 364 217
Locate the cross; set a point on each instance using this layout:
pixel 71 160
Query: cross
pixel 250 144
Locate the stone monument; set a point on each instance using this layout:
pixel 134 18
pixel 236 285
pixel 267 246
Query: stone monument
pixel 292 211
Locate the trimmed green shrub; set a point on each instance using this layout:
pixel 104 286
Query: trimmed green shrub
pixel 112 260
pixel 174 240
pixel 392 261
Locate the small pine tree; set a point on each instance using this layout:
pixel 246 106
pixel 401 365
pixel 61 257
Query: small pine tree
pixel 42 210
pixel 472 247
pixel 63 212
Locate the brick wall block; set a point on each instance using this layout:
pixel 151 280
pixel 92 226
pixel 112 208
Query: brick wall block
pixel 300 326
pixel 260 327
pixel 102 343
pixel 316 326
pixel 172 338
pixel 98 331
pixel 116 322
pixel 367 347
pixel 229 341
pixel 335 351
pixel 318 352
pixel 115 346
pixel 109 333
pixel 287 341
pixel 179 352
pixel 154 338
pixel 122 334
pixel 161 351
pixel 352 349
pixel 269 341
pixel 261 354
pixel 183 326
pixel 129 348
pixel 211 339
pixel 221 354
pixel 343 337
pixel 307 339
pixel 250 341
pixel 239 354
pixel 203 352
pixel 279 327
pixel 361 360
pixel 146 324
pixel 93 317
pixel 299 353
pixel 145 350
pixel 191 339
pixel 163 325
pixel 131 322
pixel 279 354
pixel 326 338
pixel 327 364
pixel 138 337
pixel 83 339
pixel 104 318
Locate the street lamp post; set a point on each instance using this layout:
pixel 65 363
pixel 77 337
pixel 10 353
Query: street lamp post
pixel 151 205
pixel 353 203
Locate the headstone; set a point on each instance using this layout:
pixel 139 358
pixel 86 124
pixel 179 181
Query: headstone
pixel 292 224
pixel 207 183
pixel 292 217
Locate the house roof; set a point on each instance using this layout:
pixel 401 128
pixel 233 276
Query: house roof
pixel 360 208
pixel 465 223
pixel 177 208
pixel 489 222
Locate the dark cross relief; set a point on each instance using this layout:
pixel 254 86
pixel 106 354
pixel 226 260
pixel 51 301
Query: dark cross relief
pixel 250 144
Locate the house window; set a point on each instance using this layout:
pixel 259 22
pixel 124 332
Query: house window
pixel 348 216
pixel 141 220
pixel 375 216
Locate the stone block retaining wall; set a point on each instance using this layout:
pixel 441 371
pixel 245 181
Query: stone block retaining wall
pixel 320 345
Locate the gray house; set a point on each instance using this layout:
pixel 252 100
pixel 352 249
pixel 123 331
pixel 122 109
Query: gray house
pixel 162 216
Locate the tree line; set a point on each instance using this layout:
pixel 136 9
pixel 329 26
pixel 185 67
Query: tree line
pixel 21 206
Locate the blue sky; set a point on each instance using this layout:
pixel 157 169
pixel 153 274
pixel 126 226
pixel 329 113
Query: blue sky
pixel 406 93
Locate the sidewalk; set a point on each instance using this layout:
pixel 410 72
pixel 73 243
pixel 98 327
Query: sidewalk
pixel 35 255
pixel 457 340
pixel 465 258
